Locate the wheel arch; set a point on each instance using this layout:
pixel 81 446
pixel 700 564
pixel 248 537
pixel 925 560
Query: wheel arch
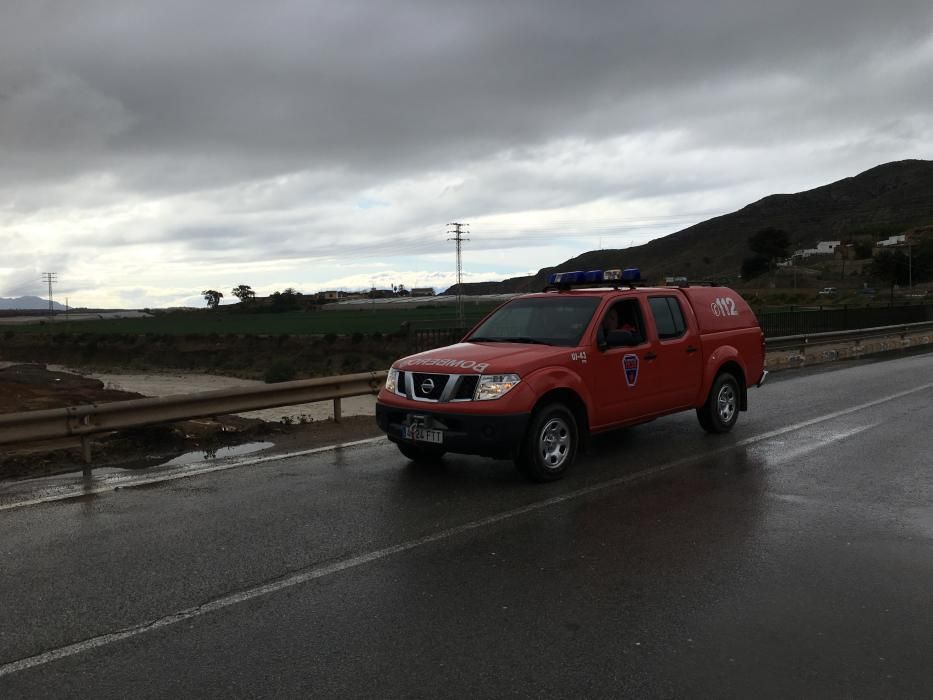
pixel 736 370
pixel 575 403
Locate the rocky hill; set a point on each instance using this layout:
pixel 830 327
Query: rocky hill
pixel 879 202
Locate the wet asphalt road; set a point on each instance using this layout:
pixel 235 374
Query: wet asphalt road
pixel 793 557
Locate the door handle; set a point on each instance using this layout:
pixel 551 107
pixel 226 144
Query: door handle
pixel 691 349
pixel 651 356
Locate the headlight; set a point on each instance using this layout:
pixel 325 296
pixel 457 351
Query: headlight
pixel 392 380
pixel 492 386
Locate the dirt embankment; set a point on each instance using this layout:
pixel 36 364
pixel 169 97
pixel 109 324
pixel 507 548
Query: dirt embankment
pixel 29 387
pixel 33 388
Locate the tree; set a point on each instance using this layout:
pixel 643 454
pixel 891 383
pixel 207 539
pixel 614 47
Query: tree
pixel 212 297
pixel 244 293
pixel 770 243
pixel 754 266
pixel 285 301
pixel 898 267
pixel 863 250
pixel 891 267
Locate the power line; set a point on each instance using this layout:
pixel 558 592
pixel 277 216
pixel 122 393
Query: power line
pixel 50 277
pixel 459 239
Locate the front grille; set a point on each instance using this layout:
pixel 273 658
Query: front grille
pixel 400 384
pixel 428 386
pixel 466 388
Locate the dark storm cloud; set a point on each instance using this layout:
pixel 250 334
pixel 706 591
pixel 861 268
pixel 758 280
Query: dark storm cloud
pixel 157 138
pixel 180 95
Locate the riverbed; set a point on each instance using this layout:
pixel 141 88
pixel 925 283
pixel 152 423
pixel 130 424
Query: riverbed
pixel 171 383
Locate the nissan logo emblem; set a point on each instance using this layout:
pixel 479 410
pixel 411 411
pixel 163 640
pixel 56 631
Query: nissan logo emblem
pixel 427 386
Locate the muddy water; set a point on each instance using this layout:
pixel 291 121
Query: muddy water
pixel 169 383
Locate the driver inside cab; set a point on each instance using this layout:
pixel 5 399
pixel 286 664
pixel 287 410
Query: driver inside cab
pixel 616 319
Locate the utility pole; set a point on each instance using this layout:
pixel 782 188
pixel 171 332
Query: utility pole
pixel 50 277
pixel 456 230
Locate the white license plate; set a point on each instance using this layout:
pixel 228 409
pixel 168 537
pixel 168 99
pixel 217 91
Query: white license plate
pixel 424 435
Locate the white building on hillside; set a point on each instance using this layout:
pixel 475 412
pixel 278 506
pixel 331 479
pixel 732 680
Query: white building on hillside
pixel 893 240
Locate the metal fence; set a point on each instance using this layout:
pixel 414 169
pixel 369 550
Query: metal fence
pixel 839 318
pixel 428 334
pixel 777 323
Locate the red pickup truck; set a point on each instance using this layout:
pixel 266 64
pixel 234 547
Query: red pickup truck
pixel 595 352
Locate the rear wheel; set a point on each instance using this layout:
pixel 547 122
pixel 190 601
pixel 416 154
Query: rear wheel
pixel 550 444
pixel 721 410
pixel 422 454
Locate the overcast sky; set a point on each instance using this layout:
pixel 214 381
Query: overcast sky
pixel 149 150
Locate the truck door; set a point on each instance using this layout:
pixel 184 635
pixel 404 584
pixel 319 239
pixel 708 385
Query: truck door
pixel 620 377
pixel 677 355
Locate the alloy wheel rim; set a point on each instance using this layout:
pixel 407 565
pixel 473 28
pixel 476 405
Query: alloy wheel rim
pixel 726 403
pixel 554 444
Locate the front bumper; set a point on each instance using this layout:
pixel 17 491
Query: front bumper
pixel 764 375
pixel 497 436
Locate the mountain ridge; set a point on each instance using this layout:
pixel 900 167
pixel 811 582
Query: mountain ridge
pixel 880 201
pixel 28 303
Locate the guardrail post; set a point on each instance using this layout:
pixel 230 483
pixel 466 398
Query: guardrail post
pixel 336 410
pixel 86 454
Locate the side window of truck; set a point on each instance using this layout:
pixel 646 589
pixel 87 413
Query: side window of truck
pixel 668 317
pixel 625 316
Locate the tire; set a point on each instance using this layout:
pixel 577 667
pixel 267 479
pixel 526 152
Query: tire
pixel 421 454
pixel 721 410
pixel 550 445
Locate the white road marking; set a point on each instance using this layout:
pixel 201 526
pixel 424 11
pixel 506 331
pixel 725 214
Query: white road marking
pixel 788 455
pixel 323 570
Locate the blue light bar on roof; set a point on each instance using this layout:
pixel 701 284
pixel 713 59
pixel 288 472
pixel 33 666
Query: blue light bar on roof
pixel 631 274
pixel 574 277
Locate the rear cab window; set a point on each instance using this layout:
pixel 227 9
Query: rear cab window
pixel 668 317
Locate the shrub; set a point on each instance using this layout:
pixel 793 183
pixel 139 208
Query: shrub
pixel 279 371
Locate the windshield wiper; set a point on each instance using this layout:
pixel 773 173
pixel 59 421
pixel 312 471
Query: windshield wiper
pixel 524 339
pixel 511 339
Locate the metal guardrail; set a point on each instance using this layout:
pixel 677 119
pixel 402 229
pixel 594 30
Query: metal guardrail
pixel 789 342
pixel 98 418
pixel 86 420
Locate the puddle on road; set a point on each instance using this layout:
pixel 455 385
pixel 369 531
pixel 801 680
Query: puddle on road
pixel 73 485
pixel 218 454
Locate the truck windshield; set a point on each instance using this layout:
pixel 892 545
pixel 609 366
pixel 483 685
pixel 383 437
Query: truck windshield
pixel 552 320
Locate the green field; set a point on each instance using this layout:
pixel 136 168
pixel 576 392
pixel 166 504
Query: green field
pixel 204 322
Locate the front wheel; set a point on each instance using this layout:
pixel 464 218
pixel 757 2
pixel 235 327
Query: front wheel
pixel 422 454
pixel 550 444
pixel 721 410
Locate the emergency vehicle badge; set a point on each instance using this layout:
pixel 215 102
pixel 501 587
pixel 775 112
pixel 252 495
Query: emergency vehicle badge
pixel 630 365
